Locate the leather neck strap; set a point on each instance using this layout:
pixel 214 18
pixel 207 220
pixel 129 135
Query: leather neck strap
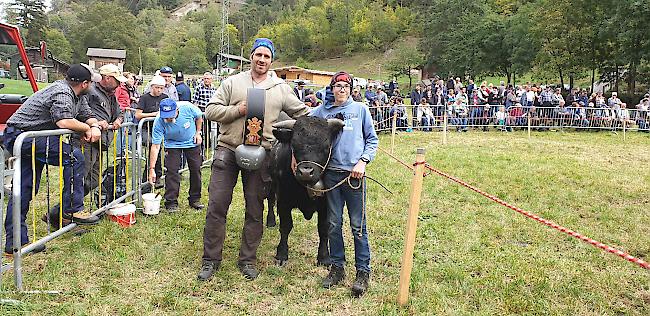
pixel 254 125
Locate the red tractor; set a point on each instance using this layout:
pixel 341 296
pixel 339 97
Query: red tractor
pixel 9 103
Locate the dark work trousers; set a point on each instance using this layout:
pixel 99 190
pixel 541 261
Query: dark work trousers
pixel 92 166
pixel 173 177
pixel 222 182
pixel 47 152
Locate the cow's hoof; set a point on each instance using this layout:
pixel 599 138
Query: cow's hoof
pixel 270 224
pixel 323 263
pixel 281 263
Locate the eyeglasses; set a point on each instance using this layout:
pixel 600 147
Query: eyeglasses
pixel 342 86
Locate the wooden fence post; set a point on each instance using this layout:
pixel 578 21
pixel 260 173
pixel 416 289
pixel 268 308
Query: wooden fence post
pixel 411 227
pixel 444 129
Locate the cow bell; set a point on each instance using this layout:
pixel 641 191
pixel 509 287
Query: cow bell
pixel 249 157
pixel 318 186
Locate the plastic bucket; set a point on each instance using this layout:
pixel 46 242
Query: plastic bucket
pixel 151 203
pixel 123 214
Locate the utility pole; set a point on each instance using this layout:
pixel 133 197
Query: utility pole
pixel 225 38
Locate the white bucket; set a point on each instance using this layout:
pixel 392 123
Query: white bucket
pixel 151 203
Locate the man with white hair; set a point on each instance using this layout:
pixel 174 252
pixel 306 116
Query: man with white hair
pixel 204 92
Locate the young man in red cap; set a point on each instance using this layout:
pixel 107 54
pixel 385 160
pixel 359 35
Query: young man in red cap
pixel 228 107
pixel 352 150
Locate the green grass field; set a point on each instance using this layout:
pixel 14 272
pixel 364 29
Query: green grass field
pixel 19 87
pixel 472 255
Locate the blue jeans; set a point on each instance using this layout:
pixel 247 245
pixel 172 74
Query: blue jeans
pixel 355 200
pixel 73 173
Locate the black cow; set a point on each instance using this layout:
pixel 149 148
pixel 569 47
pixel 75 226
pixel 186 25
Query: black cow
pixel 309 139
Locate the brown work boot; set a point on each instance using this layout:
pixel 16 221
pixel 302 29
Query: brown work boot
pixel 54 221
pixel 82 218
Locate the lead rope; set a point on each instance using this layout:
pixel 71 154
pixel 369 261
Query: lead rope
pixel 363 205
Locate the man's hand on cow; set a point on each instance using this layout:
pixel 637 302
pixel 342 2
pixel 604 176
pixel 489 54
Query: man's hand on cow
pixel 359 170
pixel 243 109
pixel 197 138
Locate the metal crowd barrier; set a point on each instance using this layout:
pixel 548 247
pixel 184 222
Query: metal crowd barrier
pixel 121 151
pixel 126 131
pixel 462 118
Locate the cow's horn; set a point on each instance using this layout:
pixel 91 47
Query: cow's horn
pixel 335 123
pixel 288 124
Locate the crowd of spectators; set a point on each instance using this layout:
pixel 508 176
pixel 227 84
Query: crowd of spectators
pixel 500 106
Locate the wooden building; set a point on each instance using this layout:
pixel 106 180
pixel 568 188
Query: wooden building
pixel 98 57
pixel 314 77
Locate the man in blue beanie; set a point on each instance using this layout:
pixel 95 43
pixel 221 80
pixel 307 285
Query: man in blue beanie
pixel 228 107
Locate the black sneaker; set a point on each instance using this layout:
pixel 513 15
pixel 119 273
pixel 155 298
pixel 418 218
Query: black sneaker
pixel 360 284
pixel 336 275
pixel 197 205
pixel 248 271
pixel 208 268
pixel 171 208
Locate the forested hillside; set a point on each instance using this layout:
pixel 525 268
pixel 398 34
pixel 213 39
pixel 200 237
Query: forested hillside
pixel 563 40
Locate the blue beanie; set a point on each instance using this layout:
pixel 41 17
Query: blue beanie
pixel 264 42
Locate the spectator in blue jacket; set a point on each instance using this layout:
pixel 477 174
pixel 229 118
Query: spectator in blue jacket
pixel 184 92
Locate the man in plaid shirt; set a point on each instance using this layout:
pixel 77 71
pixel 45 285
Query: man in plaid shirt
pixel 60 105
pixel 546 97
pixel 204 92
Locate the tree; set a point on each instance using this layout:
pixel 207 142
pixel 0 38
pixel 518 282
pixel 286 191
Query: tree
pixel 405 59
pixel 153 23
pixel 630 25
pixel 58 45
pixel 118 30
pixel 30 16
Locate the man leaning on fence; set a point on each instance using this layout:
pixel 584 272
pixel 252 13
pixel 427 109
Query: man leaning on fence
pixel 103 103
pixel 60 105
pixel 228 107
